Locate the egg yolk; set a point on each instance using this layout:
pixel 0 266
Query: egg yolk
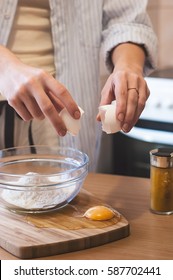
pixel 99 213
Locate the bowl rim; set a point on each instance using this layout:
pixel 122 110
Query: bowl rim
pixel 83 155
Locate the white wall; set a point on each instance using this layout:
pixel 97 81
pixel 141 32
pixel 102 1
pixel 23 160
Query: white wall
pixel 161 14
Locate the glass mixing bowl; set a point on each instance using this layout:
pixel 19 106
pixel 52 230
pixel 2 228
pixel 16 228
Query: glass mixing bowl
pixel 36 179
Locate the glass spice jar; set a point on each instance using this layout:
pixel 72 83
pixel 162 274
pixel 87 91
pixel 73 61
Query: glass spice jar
pixel 161 176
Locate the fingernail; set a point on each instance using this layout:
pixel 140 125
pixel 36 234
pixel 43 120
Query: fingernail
pixel 77 115
pixel 121 117
pixel 125 127
pixel 41 118
pixel 62 132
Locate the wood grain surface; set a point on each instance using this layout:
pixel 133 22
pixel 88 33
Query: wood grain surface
pixel 150 236
pixel 66 230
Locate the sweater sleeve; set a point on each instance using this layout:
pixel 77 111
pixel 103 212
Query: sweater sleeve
pixel 128 21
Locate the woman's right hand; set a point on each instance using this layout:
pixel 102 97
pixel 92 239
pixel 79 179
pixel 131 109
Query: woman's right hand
pixel 34 93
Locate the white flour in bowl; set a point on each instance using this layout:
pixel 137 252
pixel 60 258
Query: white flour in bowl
pixel 33 197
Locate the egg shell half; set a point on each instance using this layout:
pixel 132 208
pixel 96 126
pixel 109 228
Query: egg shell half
pixel 73 126
pixel 108 118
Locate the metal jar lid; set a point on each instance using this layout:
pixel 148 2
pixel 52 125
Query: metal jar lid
pixel 162 157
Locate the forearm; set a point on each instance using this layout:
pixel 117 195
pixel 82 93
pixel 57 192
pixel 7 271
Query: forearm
pixel 128 56
pixel 126 84
pixel 34 93
pixel 5 56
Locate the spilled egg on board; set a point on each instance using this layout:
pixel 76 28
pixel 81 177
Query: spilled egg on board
pixel 99 213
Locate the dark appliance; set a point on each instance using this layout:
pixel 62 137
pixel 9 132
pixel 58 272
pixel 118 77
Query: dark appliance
pixel 153 130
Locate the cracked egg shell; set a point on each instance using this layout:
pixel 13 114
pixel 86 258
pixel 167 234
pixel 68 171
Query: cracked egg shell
pixel 73 126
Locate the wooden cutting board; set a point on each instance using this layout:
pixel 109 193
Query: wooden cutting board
pixel 66 230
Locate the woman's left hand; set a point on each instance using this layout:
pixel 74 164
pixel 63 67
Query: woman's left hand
pixel 131 93
pixel 126 84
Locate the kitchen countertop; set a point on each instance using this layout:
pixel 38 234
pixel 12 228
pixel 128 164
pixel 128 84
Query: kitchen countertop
pixel 150 234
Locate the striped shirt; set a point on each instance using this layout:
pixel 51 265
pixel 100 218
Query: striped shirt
pixel 81 31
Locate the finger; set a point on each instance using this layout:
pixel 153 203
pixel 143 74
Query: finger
pixel 63 95
pixel 132 105
pixel 143 96
pixel 107 93
pixel 32 106
pixel 56 102
pixel 121 96
pixel 138 97
pixel 22 111
pixel 48 109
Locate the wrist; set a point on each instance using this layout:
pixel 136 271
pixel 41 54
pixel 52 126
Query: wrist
pixel 128 67
pixel 129 57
